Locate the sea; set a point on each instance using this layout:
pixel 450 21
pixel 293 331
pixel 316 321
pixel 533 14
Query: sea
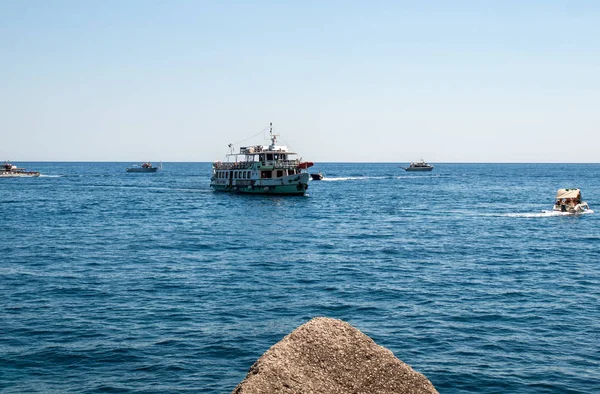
pixel 115 282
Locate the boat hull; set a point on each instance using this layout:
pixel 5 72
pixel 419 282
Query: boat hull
pixel 266 190
pixel 20 175
pixel 418 169
pixel 577 209
pixel 153 169
pixel 295 185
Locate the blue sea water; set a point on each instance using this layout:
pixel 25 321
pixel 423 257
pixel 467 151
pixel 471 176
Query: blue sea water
pixel 153 283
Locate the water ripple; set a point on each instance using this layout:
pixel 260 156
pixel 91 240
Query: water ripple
pixel 141 284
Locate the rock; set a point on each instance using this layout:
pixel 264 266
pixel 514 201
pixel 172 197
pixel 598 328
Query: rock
pixel 330 356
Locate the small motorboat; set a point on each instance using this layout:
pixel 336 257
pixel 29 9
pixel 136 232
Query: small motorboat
pixel 8 170
pixel 316 176
pixel 419 166
pixel 569 201
pixel 144 167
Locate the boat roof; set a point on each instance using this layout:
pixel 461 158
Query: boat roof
pixel 568 193
pixel 262 149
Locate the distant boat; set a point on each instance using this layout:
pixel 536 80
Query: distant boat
pixel 419 166
pixel 8 170
pixel 569 201
pixel 262 169
pixel 317 176
pixel 144 167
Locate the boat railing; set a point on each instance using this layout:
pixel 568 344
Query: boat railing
pixel 241 165
pixel 252 150
pixel 238 165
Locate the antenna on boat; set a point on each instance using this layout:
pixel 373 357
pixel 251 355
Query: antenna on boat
pixel 273 136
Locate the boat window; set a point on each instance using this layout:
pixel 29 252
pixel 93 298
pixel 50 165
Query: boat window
pixel 269 156
pixel 276 156
pixel 266 174
pixel 279 173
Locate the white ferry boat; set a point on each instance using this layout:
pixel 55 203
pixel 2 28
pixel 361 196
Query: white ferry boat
pixel 8 170
pixel 262 169
pixel 144 167
pixel 419 166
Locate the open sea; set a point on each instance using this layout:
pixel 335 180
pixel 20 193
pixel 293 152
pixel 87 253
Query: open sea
pixel 153 283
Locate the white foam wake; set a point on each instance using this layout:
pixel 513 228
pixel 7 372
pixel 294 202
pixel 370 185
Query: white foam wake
pixel 545 214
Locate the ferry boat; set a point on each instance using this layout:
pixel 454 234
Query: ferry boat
pixel 144 167
pixel 262 169
pixel 8 170
pixel 419 166
pixel 569 201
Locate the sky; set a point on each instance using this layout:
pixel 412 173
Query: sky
pixel 342 81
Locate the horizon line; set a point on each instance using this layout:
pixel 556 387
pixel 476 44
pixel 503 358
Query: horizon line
pixel 321 162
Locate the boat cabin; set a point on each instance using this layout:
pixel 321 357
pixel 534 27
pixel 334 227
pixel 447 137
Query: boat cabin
pixel 568 197
pixel 569 200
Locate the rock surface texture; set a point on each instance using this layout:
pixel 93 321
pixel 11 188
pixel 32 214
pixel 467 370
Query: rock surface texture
pixel 330 356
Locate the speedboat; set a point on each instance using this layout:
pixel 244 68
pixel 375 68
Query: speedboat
pixel 569 201
pixel 419 166
pixel 316 176
pixel 144 167
pixel 8 170
pixel 261 169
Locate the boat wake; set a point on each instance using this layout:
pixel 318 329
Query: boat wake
pixel 51 176
pixel 545 214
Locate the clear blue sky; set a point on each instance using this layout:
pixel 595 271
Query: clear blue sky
pixel 389 81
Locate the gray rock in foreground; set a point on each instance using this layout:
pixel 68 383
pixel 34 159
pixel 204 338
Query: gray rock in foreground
pixel 330 356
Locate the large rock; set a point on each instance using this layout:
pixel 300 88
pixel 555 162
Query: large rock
pixel 330 356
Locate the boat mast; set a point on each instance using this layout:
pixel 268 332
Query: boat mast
pixel 273 137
